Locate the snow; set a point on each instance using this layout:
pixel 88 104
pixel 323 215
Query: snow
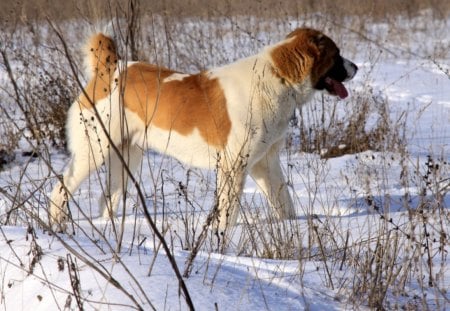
pixel 333 195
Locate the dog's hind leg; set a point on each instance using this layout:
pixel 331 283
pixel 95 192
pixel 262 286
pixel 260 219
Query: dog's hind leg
pixel 117 177
pixel 84 160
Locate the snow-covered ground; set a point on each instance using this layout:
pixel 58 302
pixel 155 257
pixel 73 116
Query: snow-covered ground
pixel 347 207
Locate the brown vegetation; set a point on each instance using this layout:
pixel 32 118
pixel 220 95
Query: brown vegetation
pixel 63 10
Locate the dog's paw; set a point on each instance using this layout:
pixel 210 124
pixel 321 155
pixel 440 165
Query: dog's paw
pixel 58 225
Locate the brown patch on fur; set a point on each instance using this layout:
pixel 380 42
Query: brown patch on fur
pixel 307 52
pixel 102 62
pixel 195 102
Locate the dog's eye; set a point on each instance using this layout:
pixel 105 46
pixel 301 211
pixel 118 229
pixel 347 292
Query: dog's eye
pixel 337 55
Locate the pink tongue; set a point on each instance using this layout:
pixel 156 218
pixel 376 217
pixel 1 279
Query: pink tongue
pixel 338 87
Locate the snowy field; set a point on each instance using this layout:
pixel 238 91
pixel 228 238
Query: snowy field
pixel 372 228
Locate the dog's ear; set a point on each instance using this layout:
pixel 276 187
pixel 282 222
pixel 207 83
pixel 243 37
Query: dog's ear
pixel 322 44
pixel 318 40
pixel 325 54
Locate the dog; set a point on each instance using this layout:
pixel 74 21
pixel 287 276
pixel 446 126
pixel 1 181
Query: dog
pixel 232 118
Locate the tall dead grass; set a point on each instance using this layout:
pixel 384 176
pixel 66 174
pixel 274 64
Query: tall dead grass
pixel 377 265
pixel 378 10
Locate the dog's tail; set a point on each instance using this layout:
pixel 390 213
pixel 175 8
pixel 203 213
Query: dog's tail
pixel 100 56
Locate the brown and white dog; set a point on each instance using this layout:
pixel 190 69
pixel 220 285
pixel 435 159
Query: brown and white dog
pixel 233 118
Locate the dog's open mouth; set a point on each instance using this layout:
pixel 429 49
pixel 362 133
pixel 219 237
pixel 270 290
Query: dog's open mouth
pixel 335 87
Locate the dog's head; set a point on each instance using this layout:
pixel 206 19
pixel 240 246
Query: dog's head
pixel 309 53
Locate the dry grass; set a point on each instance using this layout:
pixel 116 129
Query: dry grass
pixel 378 10
pixel 376 265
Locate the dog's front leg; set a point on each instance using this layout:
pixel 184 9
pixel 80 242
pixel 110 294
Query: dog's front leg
pixel 268 175
pixel 230 182
pixel 58 211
